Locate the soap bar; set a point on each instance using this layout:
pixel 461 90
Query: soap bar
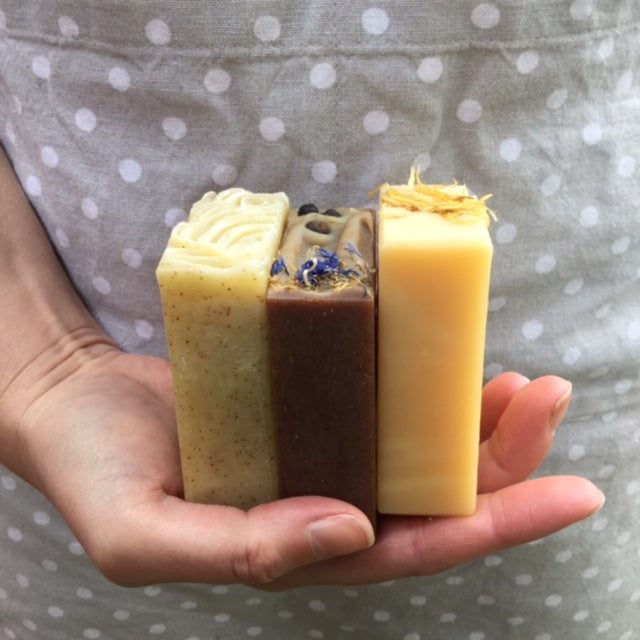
pixel 321 318
pixel 213 279
pixel 433 281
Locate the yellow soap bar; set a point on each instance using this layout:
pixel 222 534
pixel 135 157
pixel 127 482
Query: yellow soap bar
pixel 213 279
pixel 433 282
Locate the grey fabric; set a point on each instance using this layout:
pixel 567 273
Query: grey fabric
pixel 117 115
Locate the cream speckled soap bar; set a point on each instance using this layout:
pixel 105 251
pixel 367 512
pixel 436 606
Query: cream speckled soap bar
pixel 213 279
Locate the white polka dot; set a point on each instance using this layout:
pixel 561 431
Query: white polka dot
pixel 129 170
pixel 455 581
pixel 91 634
pixel 515 621
pixel 174 128
pixel 217 80
pixel 422 161
pixel 418 601
pixel 633 488
pixel 571 356
pixel 15 534
pixel 564 556
pixel 89 208
pixel 375 21
pixel 224 174
pixel 351 593
pixel 589 216
pixel 315 633
pixel 49 565
pixel 485 15
pixel 614 585
pixel 576 452
pixel 469 110
pixel 607 471
pixel 102 285
pixel 430 69
pixel 317 605
pixel 267 28
pixel 527 61
pixel 322 75
pixel 9 483
pixel 158 32
pixel 635 596
pixel 412 636
pixel 188 605
pixel 324 171
pixel 592 133
pixel 448 617
pixel 221 618
pixel 604 626
pixel 524 580
pixel 557 98
pixel 152 591
pixel 157 629
pixel 49 157
pixel 85 120
pixel 272 128
pixel 119 78
pixel 580 9
pixel 23 581
pixel 131 258
pixel 477 635
pixel 485 600
pixel 510 149
pixel 625 82
pixel 580 616
pixel 493 561
pixel 121 615
pixel 41 67
pixel 253 602
pixel 42 518
pixel 545 264
pixel 573 286
pixel 382 616
pixel 626 166
pixel 376 122
pixel 492 369
pixel 68 27
pixel 605 48
pixel 33 186
pixel 220 589
pixel 254 631
pixel 633 330
pixel 496 303
pixel 84 594
pixel 590 573
pixel 600 524
pixel 55 612
pixel 173 216
pixel 29 624
pixel 550 185
pixel 621 245
pixel 506 233
pixel 532 329
pixel 553 600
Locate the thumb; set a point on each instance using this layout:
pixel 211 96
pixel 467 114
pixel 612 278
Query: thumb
pixel 179 541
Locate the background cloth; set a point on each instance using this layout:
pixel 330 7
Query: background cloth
pixel 118 115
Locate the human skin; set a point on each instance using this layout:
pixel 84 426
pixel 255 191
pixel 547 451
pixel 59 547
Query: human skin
pixel 93 429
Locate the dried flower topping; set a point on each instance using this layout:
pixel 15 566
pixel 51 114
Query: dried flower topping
pixel 453 201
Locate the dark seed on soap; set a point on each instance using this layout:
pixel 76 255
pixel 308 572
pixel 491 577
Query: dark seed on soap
pixel 318 226
pixel 333 213
pixel 307 208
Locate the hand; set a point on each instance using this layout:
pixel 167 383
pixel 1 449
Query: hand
pixel 102 445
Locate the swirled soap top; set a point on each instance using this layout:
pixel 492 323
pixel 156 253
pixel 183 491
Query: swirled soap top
pixel 326 250
pixel 230 229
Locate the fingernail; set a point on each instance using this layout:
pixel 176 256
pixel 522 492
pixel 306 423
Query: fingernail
pixel 339 535
pixel 560 409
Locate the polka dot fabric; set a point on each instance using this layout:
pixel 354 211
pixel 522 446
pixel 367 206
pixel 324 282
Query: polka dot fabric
pixel 118 115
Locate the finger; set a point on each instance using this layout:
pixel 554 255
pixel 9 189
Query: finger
pixel 524 433
pixel 185 542
pixel 496 395
pixel 412 546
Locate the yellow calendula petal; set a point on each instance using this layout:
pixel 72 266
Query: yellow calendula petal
pixel 452 201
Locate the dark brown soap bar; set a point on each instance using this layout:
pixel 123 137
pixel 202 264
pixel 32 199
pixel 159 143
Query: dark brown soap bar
pixel 321 316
